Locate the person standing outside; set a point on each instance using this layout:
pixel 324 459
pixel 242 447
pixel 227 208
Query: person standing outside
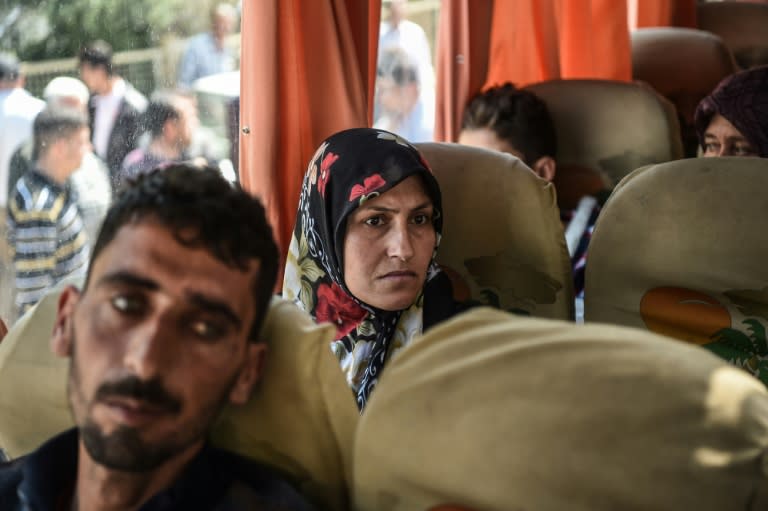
pixel 171 120
pixel 115 108
pixel 18 109
pixel 46 233
pixel 207 53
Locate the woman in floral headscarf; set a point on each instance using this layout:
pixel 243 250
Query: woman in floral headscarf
pixel 362 252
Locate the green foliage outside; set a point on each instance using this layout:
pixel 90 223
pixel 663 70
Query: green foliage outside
pixel 51 29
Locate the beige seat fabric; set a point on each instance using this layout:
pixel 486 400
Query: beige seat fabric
pixel 682 64
pixel 490 412
pixel 502 233
pixel 680 249
pixel 301 418
pixel 610 127
pixel 742 25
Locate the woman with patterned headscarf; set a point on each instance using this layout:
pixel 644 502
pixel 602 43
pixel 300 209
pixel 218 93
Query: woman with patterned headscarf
pixel 733 120
pixel 362 253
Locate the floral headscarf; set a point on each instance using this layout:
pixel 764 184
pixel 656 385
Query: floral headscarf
pixel 742 98
pixel 346 170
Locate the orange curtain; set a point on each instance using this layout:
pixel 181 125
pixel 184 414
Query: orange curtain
pixel 308 70
pixel 462 60
pixel 594 40
pixel 663 13
pixel 537 40
pixel 525 41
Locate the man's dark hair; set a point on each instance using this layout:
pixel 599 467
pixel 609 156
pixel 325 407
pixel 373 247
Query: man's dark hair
pixel 97 54
pixel 55 123
pixel 517 116
pixel 395 63
pixel 201 209
pixel 163 106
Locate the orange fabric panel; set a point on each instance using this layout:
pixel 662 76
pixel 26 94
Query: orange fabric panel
pixel 594 40
pixel 524 42
pixel 307 71
pixel 538 40
pixel 462 60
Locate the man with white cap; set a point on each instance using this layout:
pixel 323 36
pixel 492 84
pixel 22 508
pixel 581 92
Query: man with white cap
pixel 90 183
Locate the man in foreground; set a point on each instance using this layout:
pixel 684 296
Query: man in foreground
pixel 163 334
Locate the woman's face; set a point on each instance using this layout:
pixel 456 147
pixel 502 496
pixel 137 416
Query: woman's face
pixel 388 246
pixel 723 139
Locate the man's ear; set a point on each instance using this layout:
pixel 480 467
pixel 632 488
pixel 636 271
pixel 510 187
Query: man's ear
pixel 250 374
pixel 545 168
pixel 61 339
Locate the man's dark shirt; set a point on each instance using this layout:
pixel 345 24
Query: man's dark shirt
pixel 214 480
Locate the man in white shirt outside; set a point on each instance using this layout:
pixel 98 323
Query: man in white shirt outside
pixel 18 109
pixel 398 91
pixel 399 32
pixel 115 108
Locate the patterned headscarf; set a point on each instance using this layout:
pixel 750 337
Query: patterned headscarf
pixel 742 98
pixel 347 169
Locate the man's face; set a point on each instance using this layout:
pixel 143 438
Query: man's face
pixel 76 147
pixel 391 96
pixel 94 77
pixel 186 124
pixel 158 343
pixel 222 25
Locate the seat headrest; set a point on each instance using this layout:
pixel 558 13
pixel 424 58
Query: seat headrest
pixel 502 233
pixel 742 25
pixel 491 412
pixel 679 249
pixel 612 127
pixel 300 419
pixel 677 61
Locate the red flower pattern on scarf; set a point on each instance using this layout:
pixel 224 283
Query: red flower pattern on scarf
pixel 335 306
pixel 325 172
pixel 370 184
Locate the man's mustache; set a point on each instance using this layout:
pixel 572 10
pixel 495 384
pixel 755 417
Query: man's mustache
pixel 151 392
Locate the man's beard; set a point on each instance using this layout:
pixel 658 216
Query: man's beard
pixel 124 449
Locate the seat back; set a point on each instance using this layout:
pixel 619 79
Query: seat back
pixel 609 127
pixel 300 419
pixel 490 412
pixel 741 25
pixel 502 241
pixel 679 249
pixel 683 65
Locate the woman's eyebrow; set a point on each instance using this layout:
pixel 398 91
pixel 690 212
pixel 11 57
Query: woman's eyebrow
pixel 384 209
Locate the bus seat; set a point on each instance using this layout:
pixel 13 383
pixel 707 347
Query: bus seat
pixel 683 65
pixel 490 412
pixel 679 250
pixel 610 127
pixel 742 25
pixel 502 241
pixel 301 418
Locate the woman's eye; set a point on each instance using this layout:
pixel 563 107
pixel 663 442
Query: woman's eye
pixel 422 219
pixel 710 148
pixel 374 221
pixel 127 304
pixel 741 150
